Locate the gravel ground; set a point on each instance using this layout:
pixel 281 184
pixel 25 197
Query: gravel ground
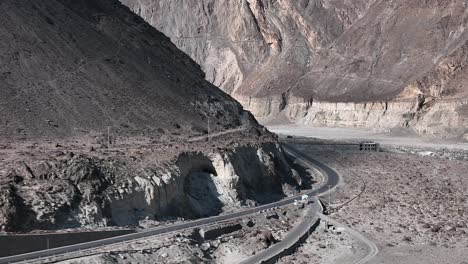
pixel 324 246
pixel 412 206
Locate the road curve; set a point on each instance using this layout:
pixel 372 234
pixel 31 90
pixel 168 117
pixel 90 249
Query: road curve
pixel 373 249
pixel 292 238
pixel 313 214
pixel 332 180
pixel 301 230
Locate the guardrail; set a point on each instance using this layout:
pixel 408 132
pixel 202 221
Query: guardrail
pixel 152 232
pixel 292 240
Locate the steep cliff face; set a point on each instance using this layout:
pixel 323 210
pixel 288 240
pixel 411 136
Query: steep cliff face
pixel 424 116
pixel 362 52
pixel 239 43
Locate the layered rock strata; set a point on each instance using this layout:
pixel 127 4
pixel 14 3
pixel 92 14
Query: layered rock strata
pixel 426 117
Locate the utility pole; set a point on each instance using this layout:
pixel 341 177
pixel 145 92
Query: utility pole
pixel 329 198
pixel 108 137
pixel 208 117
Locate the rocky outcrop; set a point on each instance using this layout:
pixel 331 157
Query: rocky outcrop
pixel 87 191
pixel 330 55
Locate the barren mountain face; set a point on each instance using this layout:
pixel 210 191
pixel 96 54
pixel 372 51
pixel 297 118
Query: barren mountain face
pixel 105 122
pixel 293 60
pixel 240 43
pixel 77 67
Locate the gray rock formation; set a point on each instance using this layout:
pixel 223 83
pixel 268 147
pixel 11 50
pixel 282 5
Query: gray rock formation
pixel 292 60
pixel 84 190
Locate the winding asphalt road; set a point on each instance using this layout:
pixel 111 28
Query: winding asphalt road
pixel 292 237
pixel 373 249
pixel 332 180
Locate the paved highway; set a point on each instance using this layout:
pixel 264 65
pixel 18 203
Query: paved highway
pixel 332 180
pixel 291 238
pixel 313 214
pixel 309 219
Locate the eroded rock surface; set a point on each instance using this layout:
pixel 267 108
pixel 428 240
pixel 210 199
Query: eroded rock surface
pixel 290 61
pixel 88 190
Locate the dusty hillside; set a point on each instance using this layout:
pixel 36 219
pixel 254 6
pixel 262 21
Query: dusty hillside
pixel 105 122
pixel 77 67
pixel 293 60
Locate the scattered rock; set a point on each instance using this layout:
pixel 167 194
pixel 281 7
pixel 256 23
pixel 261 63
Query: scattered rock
pixel 205 246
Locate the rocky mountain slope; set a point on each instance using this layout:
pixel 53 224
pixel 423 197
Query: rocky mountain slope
pixel 105 122
pixel 79 67
pixel 377 64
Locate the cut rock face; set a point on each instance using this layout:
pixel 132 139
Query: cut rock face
pixel 89 191
pixel 202 194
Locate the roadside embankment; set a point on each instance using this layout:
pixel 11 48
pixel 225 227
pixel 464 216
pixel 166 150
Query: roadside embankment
pixel 293 238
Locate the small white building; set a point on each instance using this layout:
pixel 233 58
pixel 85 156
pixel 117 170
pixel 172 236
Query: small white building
pixel 304 197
